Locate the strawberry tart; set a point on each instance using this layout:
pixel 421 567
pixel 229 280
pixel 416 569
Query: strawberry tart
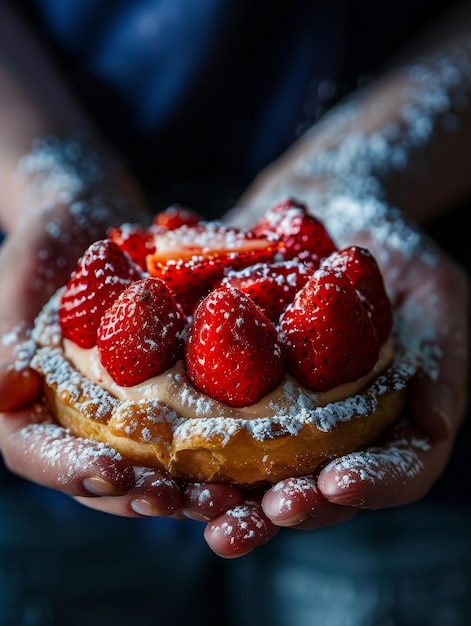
pixel 221 354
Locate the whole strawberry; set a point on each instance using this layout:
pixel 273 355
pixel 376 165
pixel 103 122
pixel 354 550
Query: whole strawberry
pixel 363 271
pixel 232 353
pixel 270 285
pixel 327 333
pixel 303 236
pixel 140 335
pixel 102 273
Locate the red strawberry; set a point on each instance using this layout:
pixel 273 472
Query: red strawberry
pixel 362 269
pixel 270 285
pixel 303 236
pixel 137 241
pixel 191 259
pixel 101 274
pixel 327 333
pixel 175 216
pixel 140 335
pixel 232 353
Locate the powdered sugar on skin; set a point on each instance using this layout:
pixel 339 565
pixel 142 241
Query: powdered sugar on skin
pixel 64 453
pixel 246 520
pixel 438 91
pixel 62 172
pixel 20 340
pixel 145 477
pixel 397 461
pixel 205 498
pixel 202 497
pixel 289 491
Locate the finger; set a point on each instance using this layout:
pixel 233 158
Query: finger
pixel 399 472
pixel 205 501
pixel 298 503
pixel 155 494
pixel 239 531
pixel 49 455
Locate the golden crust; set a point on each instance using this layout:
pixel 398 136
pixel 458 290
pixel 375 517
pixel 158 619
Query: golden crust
pixel 223 449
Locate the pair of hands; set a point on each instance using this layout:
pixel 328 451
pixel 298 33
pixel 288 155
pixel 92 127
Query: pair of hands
pixel 36 259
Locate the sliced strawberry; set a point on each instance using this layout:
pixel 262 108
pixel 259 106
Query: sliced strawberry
pixel 175 216
pixel 191 259
pixel 101 274
pixel 303 236
pixel 327 333
pixel 135 240
pixel 232 353
pixel 362 269
pixel 140 335
pixel 270 285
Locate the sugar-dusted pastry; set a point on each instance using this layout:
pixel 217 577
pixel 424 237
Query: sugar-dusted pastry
pixel 225 355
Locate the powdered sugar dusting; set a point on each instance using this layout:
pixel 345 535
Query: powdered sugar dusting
pixel 389 226
pixel 94 401
pixel 20 340
pixel 142 419
pixel 63 452
pixel 438 90
pixel 190 413
pixel 296 408
pixel 145 477
pixel 46 330
pixel 201 497
pixel 398 460
pixel 68 173
pixel 290 490
pixel 246 519
pixel 205 498
pixel 63 166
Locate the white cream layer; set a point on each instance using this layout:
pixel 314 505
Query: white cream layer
pixel 173 389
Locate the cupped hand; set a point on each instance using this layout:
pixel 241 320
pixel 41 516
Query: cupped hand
pixel 35 259
pixel 430 292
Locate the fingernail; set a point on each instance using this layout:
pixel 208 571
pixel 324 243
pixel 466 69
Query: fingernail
pixel 100 487
pixel 288 520
pixel 196 517
pixel 144 507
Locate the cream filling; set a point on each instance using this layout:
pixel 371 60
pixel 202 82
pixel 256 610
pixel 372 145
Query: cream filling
pixel 173 389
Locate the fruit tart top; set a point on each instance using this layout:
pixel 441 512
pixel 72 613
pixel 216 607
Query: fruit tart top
pixel 240 309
